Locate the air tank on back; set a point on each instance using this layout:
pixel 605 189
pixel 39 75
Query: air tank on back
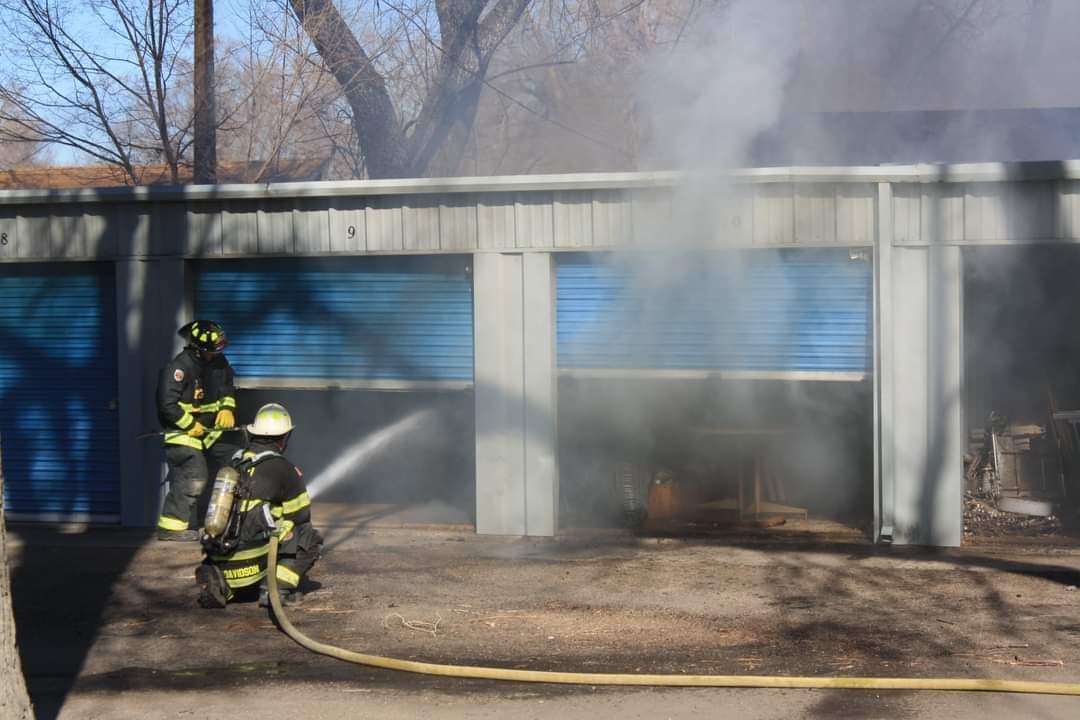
pixel 221 500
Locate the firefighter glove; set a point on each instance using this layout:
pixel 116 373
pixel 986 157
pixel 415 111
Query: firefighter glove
pixel 225 419
pixel 197 430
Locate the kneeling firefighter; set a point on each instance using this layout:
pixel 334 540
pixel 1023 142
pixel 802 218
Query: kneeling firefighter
pixel 261 494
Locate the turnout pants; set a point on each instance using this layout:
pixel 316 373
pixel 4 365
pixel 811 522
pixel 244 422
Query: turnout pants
pixel 246 569
pixel 189 473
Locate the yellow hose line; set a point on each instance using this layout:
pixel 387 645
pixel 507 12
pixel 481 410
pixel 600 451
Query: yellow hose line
pixel 580 678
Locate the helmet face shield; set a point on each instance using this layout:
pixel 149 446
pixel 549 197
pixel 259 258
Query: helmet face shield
pixel 205 335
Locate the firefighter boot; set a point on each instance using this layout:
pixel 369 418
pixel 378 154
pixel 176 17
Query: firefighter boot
pixel 288 597
pixel 213 590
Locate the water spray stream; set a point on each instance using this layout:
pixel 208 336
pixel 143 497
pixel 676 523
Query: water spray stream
pixel 362 451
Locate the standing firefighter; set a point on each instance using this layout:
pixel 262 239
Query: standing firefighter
pixel 270 498
pixel 195 402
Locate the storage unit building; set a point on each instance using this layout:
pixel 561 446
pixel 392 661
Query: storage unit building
pixel 850 273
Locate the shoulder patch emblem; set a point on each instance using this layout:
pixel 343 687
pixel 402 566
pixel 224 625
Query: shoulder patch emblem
pixel 178 375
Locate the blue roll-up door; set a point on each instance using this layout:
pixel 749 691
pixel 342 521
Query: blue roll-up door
pixel 347 321
pixel 767 311
pixel 58 383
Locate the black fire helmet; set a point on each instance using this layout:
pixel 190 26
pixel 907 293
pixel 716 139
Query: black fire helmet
pixel 205 335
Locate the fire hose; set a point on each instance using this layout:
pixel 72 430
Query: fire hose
pixel 159 433
pixel 647 679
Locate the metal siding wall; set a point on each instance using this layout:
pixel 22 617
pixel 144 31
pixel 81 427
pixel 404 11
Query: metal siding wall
pixel 364 319
pixel 776 310
pixel 58 388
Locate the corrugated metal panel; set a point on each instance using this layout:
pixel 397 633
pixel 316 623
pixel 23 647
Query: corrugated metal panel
pixel 131 223
pixel 457 222
pixel 311 227
pixel 907 208
pixel 495 221
pixel 363 319
pixel 855 217
pixel 348 229
pixel 612 218
pixel 767 310
pixel 58 390
pixel 240 229
pixel 573 222
pixel 534 220
pixel 420 222
pixel 774 215
pixel 384 225
pixel 815 214
pixel 274 227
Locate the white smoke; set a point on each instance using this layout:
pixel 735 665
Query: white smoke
pixel 356 456
pixel 722 84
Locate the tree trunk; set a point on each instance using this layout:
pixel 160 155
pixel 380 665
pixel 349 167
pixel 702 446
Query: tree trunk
pixel 373 115
pixel 467 44
pixel 205 170
pixel 14 700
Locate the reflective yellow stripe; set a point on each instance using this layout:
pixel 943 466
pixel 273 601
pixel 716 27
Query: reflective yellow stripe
pixel 211 438
pixel 228 401
pixel 285 528
pixel 276 511
pixel 186 420
pixel 242 554
pixel 184 439
pixel 170 523
pixel 243 576
pixel 287 576
pixel 249 505
pixel 296 504
pixel 197 409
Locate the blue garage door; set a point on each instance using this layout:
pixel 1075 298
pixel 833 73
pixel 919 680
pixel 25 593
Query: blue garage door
pixel 355 321
pixel 58 385
pixel 767 311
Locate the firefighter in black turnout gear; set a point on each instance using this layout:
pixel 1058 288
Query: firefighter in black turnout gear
pixel 270 499
pixel 196 400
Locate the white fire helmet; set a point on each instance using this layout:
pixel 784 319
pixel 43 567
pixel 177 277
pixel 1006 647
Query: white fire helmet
pixel 272 420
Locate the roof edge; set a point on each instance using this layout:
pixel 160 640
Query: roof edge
pixel 920 173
